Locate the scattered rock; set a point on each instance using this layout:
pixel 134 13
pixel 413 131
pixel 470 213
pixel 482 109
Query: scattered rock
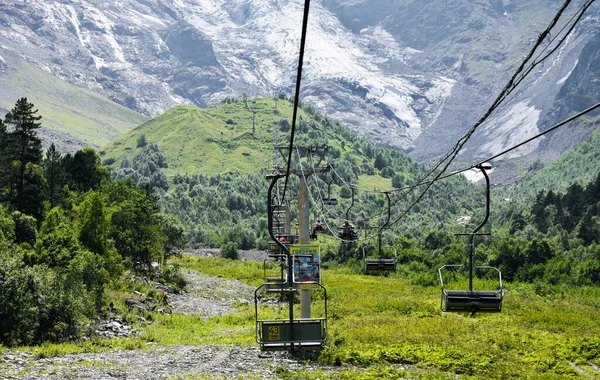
pixel 132 303
pixel 165 288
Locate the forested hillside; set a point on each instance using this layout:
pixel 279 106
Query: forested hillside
pixel 67 234
pixel 216 163
pixel 78 239
pixel 531 240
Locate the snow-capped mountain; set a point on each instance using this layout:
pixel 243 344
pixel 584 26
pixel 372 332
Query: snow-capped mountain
pixel 406 73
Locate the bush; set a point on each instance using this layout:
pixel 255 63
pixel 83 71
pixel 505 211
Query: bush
pixel 229 251
pixel 25 228
pixel 141 141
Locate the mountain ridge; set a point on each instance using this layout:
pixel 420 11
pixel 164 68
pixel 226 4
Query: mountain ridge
pixel 405 74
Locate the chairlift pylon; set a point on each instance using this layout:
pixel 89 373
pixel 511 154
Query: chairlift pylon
pixel 291 334
pixel 473 300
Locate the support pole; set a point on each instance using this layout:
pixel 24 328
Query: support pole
pixel 285 250
pixel 483 168
pixel 304 222
pixel 471 249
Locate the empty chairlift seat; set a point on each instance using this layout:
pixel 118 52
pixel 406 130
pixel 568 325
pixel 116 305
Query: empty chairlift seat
pixel 379 265
pixel 472 301
pixel 307 334
pixel 303 334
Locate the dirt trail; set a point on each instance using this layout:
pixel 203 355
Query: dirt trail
pixel 207 296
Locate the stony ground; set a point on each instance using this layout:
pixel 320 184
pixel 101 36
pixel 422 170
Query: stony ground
pixel 207 296
pixel 156 363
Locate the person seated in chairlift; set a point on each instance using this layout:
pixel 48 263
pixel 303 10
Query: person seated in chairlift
pixel 347 226
pixel 282 239
pixel 318 225
pixel 347 231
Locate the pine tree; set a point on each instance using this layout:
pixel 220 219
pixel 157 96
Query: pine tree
pixel 55 175
pixel 24 145
pixel 94 223
pixel 141 141
pixel 84 170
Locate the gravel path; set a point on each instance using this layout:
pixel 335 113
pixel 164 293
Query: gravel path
pixel 156 363
pixel 207 296
pixel 210 296
pixel 216 252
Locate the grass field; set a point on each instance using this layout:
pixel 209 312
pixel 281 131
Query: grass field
pixel 385 327
pixel 379 325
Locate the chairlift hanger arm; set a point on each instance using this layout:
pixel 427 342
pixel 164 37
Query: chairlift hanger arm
pixel 351 204
pixel 483 168
pixel 389 213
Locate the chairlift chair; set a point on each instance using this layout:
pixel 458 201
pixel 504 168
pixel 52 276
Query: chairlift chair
pixel 329 201
pixel 274 283
pixel 348 233
pixel 379 265
pixel 317 227
pixel 473 300
pixel 304 334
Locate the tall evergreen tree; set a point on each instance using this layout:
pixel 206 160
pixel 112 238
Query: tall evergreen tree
pixel 5 163
pixel 55 175
pixel 24 144
pixel 94 223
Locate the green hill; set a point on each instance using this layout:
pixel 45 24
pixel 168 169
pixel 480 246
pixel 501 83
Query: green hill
pixel 215 140
pixel 85 116
pixel 217 184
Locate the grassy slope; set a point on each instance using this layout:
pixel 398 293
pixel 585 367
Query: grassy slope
pixel 215 140
pixel 81 113
pixel 378 321
pixel 386 327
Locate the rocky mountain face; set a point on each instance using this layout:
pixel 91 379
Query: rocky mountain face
pixel 411 74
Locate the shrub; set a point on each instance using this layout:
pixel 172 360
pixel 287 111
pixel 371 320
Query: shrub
pixel 229 251
pixel 141 141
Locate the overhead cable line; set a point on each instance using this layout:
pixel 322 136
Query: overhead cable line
pixel 333 233
pixel 297 93
pixel 577 17
pixel 510 86
pixel 508 89
pixel 377 215
pixel 439 178
pixel 520 74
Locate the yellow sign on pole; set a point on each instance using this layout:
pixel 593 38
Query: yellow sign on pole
pixel 305 249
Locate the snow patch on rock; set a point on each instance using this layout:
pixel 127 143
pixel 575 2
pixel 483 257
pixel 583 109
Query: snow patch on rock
pixel 515 126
